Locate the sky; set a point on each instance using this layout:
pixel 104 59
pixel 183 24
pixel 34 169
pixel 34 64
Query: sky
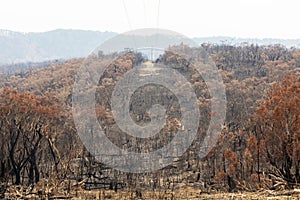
pixel 193 18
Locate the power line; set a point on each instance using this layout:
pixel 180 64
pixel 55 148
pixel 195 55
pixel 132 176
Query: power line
pixel 128 20
pixel 157 17
pixel 157 23
pixel 145 14
pixel 127 16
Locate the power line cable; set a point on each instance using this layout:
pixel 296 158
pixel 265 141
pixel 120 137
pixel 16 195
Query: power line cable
pixel 129 24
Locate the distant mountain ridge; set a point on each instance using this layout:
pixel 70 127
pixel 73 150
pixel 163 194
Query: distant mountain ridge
pixel 243 41
pixel 17 47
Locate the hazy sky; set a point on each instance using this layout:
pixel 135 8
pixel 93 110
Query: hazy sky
pixel 237 18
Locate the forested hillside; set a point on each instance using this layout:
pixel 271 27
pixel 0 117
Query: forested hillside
pixel 259 146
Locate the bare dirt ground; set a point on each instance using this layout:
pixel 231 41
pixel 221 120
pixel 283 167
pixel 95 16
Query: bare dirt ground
pixel 183 193
pixel 196 195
